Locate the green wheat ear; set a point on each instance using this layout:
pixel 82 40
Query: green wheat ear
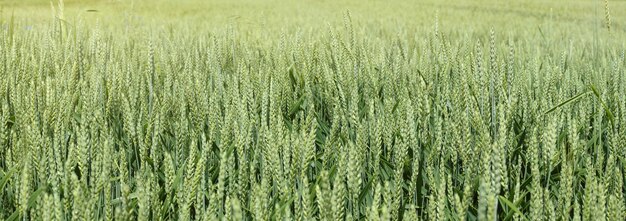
pixel 607 15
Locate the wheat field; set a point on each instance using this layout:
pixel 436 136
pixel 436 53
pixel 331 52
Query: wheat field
pixel 312 110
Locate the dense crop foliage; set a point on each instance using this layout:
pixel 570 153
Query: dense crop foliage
pixel 337 125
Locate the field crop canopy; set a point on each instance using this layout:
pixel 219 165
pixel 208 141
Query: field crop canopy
pixel 312 110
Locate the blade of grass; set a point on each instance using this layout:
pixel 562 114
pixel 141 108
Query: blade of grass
pixel 512 206
pixel 575 98
pixel 31 202
pixel 6 177
pixel 608 112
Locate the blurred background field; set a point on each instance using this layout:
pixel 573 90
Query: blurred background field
pixel 530 19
